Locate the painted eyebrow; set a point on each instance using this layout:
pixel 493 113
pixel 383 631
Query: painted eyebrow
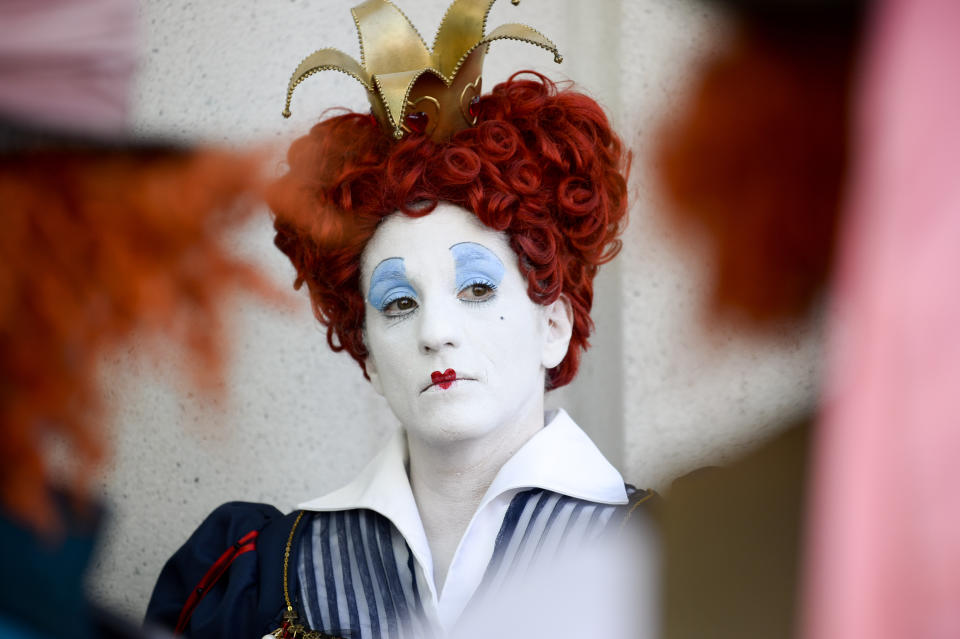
pixel 389 277
pixel 474 262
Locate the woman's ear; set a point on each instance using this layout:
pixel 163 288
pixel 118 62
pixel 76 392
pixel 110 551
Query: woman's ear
pixel 558 320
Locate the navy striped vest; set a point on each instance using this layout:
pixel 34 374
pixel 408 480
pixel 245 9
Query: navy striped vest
pixel 357 578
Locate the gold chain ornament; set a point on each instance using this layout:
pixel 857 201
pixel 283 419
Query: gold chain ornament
pixel 290 629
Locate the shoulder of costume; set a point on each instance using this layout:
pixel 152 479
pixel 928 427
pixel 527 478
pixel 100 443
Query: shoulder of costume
pixel 245 596
pixel 641 504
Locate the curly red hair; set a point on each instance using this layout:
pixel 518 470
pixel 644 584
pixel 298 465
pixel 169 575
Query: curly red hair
pixel 542 165
pixel 100 244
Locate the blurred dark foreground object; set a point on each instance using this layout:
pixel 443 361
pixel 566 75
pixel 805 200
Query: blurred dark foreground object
pixel 755 165
pixel 731 544
pixel 882 547
pixel 42 590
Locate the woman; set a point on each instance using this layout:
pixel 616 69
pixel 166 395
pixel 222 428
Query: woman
pixel 458 274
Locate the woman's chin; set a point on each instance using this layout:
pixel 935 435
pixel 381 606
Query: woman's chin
pixel 451 426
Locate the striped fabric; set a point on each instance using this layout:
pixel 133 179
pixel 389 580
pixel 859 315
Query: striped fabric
pixel 359 580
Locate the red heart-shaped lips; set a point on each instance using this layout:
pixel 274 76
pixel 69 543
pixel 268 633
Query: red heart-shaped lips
pixel 444 379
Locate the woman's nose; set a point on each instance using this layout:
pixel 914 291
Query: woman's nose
pixel 440 327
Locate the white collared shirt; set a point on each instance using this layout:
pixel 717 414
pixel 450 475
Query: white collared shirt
pixel 559 458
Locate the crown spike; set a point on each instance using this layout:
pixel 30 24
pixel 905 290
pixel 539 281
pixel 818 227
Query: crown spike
pixel 463 24
pixel 389 42
pixel 325 60
pixel 519 32
pixel 523 33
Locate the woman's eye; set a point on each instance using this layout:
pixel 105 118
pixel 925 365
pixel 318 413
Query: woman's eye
pixel 400 306
pixel 476 293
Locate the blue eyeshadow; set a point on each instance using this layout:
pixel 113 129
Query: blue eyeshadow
pixel 476 264
pixel 389 283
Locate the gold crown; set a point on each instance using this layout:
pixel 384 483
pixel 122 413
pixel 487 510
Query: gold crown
pixel 410 87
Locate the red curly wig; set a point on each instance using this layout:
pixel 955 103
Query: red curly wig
pixel 541 165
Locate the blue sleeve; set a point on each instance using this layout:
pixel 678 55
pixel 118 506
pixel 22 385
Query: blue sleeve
pixel 232 607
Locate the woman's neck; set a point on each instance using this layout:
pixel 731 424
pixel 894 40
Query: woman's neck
pixel 449 478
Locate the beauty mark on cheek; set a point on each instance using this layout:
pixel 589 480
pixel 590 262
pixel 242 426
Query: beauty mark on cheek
pixel 476 264
pixel 388 283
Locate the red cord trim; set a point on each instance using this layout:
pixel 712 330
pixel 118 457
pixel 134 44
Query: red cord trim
pixel 243 545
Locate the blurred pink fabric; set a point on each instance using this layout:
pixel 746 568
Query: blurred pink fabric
pixel 884 544
pixel 67 63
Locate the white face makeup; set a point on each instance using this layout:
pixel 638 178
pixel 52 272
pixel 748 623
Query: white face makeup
pixel 456 346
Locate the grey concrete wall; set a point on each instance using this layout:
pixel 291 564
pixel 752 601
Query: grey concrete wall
pixel 294 420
